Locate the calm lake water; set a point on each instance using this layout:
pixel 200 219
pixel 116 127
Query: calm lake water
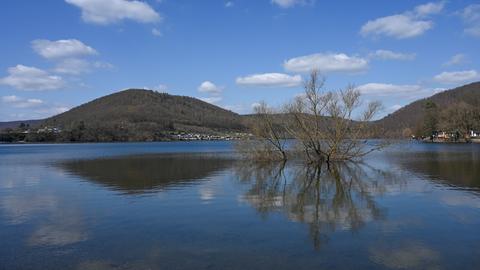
pixel 193 205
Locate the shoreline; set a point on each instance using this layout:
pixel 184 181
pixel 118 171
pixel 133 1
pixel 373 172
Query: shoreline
pixel 451 142
pixel 114 142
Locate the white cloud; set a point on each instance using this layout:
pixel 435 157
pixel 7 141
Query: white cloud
pixel 438 90
pixel 32 108
pixel 406 25
pixel 28 103
pixel 390 55
pixel 60 109
pixel 72 66
pixel 49 111
pixel 471 17
pixel 455 60
pixel 383 89
pixel 457 76
pixel 291 3
pixel 76 66
pixel 105 12
pixel 429 9
pixel 10 99
pixel 394 108
pixel 32 102
pixel 18 102
pixel 156 32
pixel 270 80
pixel 211 100
pixel 161 88
pixel 473 31
pixel 326 62
pixel 240 108
pixel 229 4
pixel 255 105
pixel 471 13
pixel 102 65
pixel 67 55
pixel 31 78
pixel 399 26
pixel 64 48
pixel 209 87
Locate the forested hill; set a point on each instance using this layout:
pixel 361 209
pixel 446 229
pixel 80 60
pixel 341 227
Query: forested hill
pixel 136 114
pixel 145 115
pixel 447 105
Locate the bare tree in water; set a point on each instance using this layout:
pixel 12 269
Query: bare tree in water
pixel 270 136
pixel 322 123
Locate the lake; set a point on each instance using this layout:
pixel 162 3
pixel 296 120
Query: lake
pixel 195 205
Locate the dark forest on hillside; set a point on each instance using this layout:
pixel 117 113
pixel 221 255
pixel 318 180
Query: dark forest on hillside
pixel 451 110
pixel 137 115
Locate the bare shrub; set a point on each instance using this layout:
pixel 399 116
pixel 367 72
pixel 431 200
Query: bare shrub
pixel 269 143
pixel 322 123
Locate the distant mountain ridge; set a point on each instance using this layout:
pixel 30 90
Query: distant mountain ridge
pixel 413 114
pixel 146 115
pixel 15 124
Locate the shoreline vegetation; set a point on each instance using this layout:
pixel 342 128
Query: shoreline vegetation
pixel 35 137
pixel 317 115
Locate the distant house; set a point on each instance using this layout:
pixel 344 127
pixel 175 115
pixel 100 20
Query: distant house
pixel 49 130
pixel 474 134
pixel 443 135
pixel 446 136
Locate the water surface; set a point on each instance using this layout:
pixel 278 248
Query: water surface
pixel 194 205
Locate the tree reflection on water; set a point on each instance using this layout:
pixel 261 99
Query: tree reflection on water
pixel 338 197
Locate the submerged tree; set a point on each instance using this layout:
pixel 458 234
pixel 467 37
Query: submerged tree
pixel 321 122
pixel 270 136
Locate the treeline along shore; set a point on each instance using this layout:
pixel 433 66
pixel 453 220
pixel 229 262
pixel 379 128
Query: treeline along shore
pixel 145 115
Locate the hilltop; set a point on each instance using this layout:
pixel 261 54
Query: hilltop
pixel 142 115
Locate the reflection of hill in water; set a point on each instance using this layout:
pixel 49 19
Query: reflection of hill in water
pixel 460 169
pixel 137 174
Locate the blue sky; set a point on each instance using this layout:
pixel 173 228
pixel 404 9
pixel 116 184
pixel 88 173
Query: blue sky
pixel 57 54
